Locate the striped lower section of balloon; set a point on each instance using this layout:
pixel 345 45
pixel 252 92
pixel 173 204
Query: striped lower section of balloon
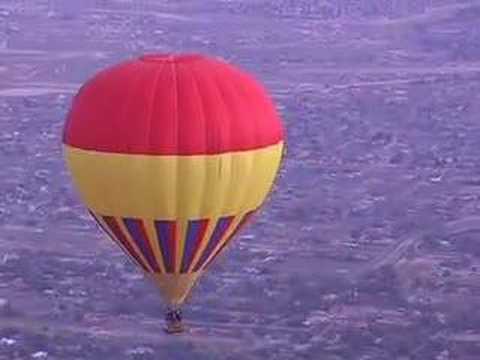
pixel 172 247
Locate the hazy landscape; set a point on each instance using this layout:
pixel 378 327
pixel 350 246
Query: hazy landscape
pixel 367 250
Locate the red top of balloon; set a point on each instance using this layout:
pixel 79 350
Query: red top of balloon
pixel 165 104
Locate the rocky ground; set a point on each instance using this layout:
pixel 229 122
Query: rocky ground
pixel 367 248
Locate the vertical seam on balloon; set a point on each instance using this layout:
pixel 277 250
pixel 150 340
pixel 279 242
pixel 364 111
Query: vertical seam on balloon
pixel 128 101
pixel 256 133
pixel 226 156
pixel 211 171
pixel 242 192
pixel 178 248
pixel 150 113
pixel 204 130
pixel 251 175
pixel 151 105
pixel 245 168
pixel 255 153
pixel 242 92
pixel 123 118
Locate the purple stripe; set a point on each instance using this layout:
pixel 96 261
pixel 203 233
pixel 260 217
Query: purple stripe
pixel 163 229
pixel 136 233
pixel 120 237
pixel 196 229
pixel 239 227
pixel 222 226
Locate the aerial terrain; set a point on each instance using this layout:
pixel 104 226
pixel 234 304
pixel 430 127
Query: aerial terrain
pixel 367 249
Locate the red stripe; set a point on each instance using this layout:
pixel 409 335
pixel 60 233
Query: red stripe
pixel 121 238
pixel 215 107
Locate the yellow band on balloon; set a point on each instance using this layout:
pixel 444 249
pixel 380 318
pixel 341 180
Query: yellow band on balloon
pixel 174 187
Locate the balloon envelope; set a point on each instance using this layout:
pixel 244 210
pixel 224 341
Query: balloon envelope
pixel 172 155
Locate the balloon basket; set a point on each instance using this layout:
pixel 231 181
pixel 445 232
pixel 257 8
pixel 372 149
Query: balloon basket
pixel 173 320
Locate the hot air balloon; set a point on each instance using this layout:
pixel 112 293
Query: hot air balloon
pixel 172 154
